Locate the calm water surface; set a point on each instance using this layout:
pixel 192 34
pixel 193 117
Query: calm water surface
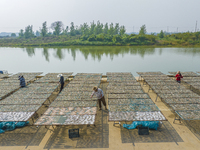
pixel 99 59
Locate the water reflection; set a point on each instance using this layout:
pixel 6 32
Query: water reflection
pixel 46 54
pixel 30 51
pixel 97 52
pixel 193 51
pixel 59 53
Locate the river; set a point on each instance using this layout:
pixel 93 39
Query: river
pixel 101 59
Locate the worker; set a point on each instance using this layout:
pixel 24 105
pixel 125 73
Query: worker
pixel 99 94
pixel 178 77
pixel 22 81
pixel 61 81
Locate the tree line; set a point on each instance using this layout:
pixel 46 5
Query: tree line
pixel 84 29
pixel 97 34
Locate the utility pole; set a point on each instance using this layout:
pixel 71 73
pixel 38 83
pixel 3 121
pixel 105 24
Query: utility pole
pixel 196 27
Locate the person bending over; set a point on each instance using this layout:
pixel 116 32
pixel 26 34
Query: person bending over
pixel 99 94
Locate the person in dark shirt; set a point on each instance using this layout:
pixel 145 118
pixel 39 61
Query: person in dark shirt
pixel 22 81
pixel 178 77
pixel 61 81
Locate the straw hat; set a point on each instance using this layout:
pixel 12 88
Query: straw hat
pixel 94 88
pixel 59 75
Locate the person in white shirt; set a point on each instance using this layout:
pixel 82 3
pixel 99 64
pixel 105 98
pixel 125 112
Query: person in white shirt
pixel 99 94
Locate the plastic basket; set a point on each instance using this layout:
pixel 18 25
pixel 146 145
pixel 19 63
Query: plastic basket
pixel 143 130
pixel 73 133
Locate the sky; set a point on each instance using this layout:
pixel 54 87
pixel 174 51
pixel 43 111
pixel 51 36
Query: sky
pixel 157 15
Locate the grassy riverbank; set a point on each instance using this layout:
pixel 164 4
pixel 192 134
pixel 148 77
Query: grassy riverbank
pixel 181 39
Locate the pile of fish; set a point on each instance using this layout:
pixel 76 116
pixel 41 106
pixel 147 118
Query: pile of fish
pixel 73 106
pixel 127 101
pixel 183 101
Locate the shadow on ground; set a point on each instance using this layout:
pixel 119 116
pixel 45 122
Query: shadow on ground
pixel 194 127
pixel 166 134
pixel 26 136
pixel 90 136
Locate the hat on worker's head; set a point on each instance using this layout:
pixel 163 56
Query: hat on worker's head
pixel 95 88
pixel 19 77
pixel 59 75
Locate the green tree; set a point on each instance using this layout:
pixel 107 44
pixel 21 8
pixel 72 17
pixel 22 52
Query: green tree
pixel 105 30
pixel 92 27
pixel 37 33
pixel 44 30
pixel 65 31
pixel 92 38
pixel 100 37
pixel 84 29
pixel 98 28
pixel 57 27
pixel 122 30
pixel 21 33
pixel 49 33
pixel 13 35
pixel 116 28
pixel 161 35
pixel 77 30
pixel 29 32
pixel 111 29
pixel 117 38
pixel 142 30
pixel 72 29
pixel 108 38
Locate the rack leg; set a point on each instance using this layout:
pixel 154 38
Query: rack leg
pixel 177 119
pixel 116 123
pixel 156 98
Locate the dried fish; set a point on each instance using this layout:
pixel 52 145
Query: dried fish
pixel 119 73
pixel 89 74
pixel 18 101
pixel 136 116
pixel 189 115
pixel 133 107
pixel 150 73
pixel 120 91
pixel 185 73
pixel 129 101
pixel 52 111
pixel 181 107
pixel 19 108
pixel 52 77
pixel 73 104
pixel 66 120
pixel 174 95
pixel 15 116
pixel 173 91
pixel 182 100
pixel 124 84
pixel 126 96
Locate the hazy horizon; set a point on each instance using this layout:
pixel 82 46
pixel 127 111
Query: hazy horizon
pixel 166 15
